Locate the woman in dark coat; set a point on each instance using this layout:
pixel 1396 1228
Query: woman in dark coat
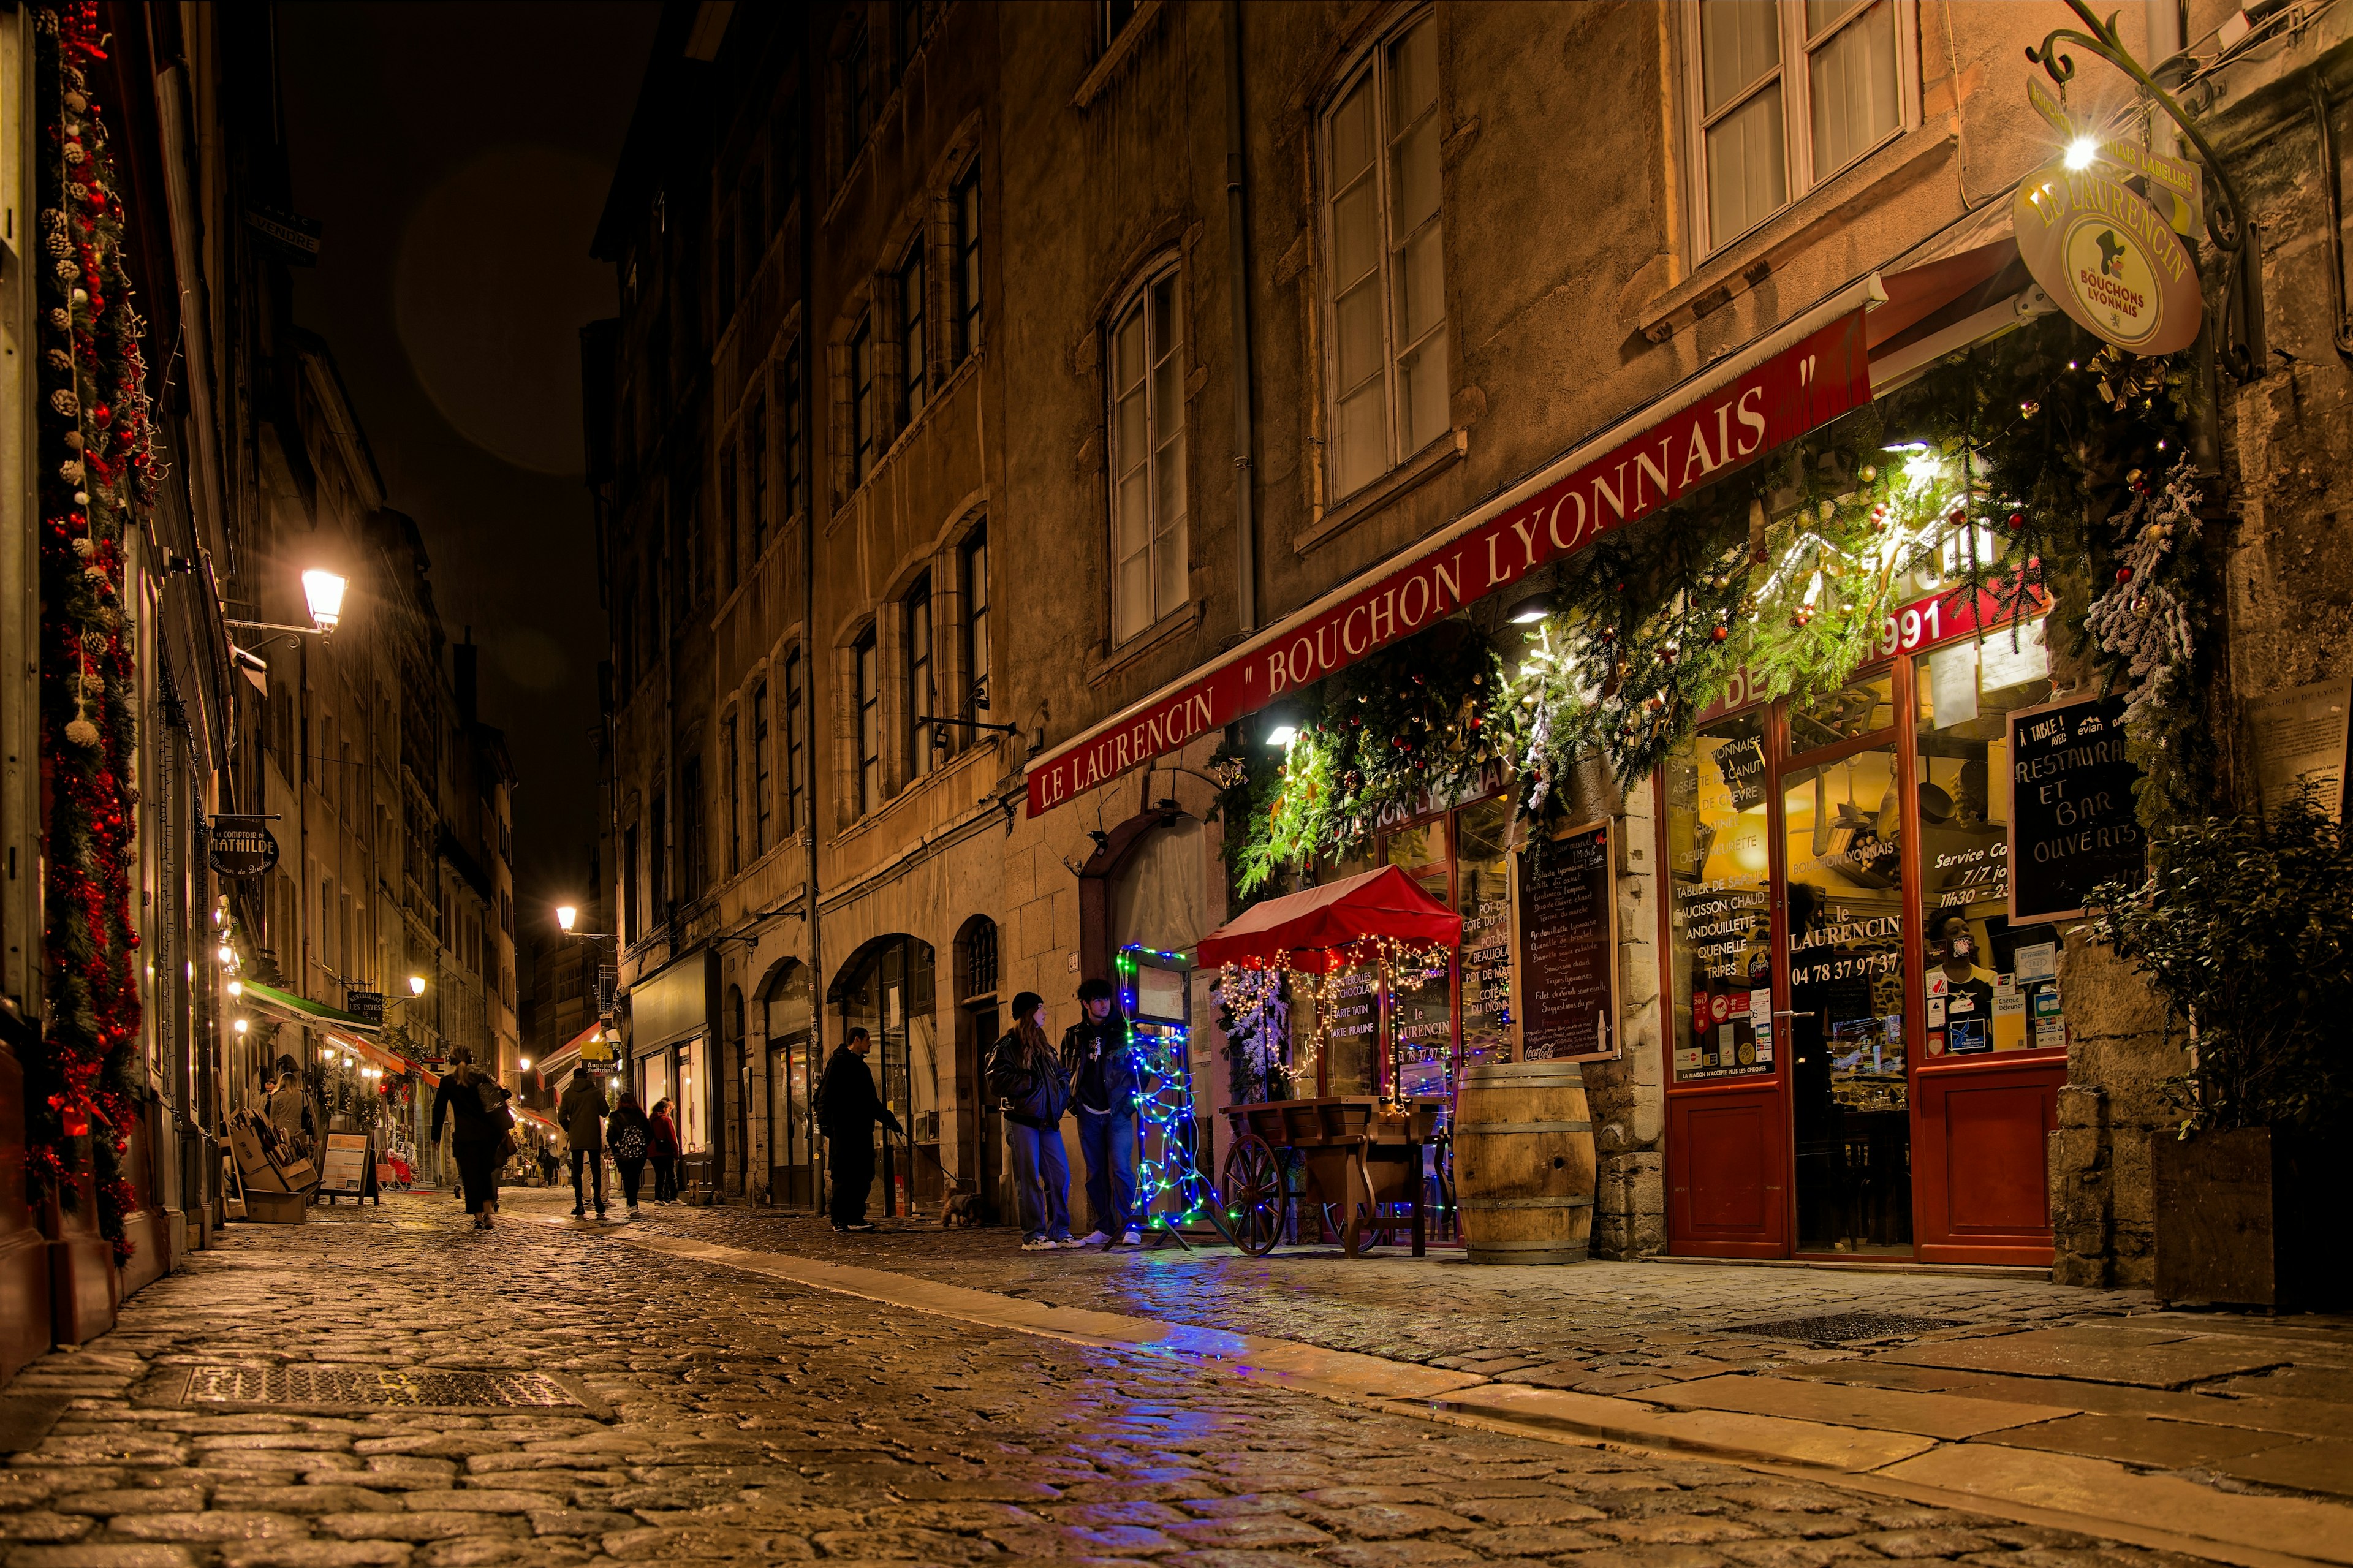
pixel 665 1152
pixel 630 1136
pixel 476 1106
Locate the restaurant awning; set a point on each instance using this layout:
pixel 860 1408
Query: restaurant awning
pixel 1313 929
pixel 1824 363
pixel 296 1009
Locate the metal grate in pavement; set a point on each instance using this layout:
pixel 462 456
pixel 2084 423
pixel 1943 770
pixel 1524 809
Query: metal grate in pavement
pixel 1838 1328
pixel 377 1388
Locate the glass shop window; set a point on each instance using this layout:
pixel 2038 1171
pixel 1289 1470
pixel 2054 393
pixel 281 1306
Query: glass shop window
pixel 1989 987
pixel 1720 920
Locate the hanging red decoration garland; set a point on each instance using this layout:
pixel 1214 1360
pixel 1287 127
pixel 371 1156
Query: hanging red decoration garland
pixel 97 481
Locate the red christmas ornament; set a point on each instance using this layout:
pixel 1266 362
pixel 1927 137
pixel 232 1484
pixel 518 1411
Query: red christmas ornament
pixel 2124 573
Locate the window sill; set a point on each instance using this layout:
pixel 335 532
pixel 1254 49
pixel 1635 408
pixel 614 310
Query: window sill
pixel 1166 629
pixel 1130 39
pixel 1411 474
pixel 1748 261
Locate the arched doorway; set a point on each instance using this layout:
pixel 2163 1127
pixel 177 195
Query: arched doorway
pixel 789 1023
pixel 886 988
pixel 979 1019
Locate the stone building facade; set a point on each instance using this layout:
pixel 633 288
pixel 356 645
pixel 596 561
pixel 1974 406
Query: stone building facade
pixel 1056 355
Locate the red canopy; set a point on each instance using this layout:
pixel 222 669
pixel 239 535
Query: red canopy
pixel 1304 927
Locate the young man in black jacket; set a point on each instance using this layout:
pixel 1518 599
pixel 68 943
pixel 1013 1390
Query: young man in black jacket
pixel 847 1108
pixel 1103 1091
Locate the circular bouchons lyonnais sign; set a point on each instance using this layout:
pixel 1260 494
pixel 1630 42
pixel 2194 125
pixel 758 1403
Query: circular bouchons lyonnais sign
pixel 2106 258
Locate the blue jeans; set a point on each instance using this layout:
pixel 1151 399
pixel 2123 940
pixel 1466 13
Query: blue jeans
pixel 1041 1181
pixel 1108 1142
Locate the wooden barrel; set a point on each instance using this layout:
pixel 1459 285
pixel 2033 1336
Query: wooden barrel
pixel 1524 1162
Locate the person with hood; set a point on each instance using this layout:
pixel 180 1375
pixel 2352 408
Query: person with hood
pixel 665 1152
pixel 847 1110
pixel 475 1107
pixel 581 1113
pixel 1028 1086
pixel 630 1136
pixel 1104 1092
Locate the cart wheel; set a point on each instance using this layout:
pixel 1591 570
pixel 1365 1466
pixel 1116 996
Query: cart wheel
pixel 1253 1194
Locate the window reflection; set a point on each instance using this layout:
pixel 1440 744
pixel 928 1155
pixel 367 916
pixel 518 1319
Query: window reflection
pixel 1989 987
pixel 1719 902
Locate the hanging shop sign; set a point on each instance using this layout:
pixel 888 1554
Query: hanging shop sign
pixel 2174 186
pixel 1819 371
pixel 2071 825
pixel 2108 258
pixel 365 1005
pixel 1567 973
pixel 242 847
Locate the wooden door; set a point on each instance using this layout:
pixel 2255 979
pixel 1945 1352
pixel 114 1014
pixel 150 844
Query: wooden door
pixel 1980 1167
pixel 1728 1188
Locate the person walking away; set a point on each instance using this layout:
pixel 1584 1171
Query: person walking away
pixel 1027 1081
pixel 550 1162
pixel 475 1107
pixel 1103 1091
pixel 581 1113
pixel 665 1152
pixel 631 1137
pixel 847 1110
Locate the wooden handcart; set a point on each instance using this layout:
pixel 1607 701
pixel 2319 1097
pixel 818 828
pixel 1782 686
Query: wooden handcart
pixel 1364 1158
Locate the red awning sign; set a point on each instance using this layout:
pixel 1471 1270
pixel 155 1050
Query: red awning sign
pixel 1825 373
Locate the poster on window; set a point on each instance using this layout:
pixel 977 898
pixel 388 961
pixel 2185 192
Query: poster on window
pixel 1566 976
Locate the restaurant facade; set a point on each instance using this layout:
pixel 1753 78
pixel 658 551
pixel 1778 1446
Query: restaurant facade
pixel 1719 511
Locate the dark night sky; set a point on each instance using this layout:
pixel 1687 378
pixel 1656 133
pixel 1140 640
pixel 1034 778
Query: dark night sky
pixel 458 156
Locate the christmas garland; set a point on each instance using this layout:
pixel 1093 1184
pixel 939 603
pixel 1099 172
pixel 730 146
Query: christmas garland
pixel 97 477
pixel 2014 477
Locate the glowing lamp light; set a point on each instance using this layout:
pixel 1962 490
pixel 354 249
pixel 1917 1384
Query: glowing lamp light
pixel 1531 610
pixel 324 592
pixel 239 1026
pixel 228 954
pixel 565 915
pixel 236 987
pixel 524 1064
pixel 2081 152
pixel 417 985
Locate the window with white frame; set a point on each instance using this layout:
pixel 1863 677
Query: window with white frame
pixel 921 701
pixel 1148 539
pixel 870 725
pixel 1388 370
pixel 1788 93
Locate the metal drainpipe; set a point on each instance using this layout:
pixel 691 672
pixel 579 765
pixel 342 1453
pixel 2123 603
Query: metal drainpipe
pixel 808 596
pixel 1238 293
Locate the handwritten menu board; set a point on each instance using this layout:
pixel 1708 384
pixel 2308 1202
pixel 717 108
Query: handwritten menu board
pixel 1567 967
pixel 2071 811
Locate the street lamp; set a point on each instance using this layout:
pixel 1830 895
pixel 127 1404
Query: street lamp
pixel 568 916
pixel 324 591
pixel 565 915
pixel 417 985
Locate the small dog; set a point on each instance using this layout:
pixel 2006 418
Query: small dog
pixel 961 1210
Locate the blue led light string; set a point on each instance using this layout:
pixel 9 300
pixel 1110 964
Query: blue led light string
pixel 1166 1104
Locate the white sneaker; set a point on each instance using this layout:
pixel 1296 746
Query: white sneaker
pixel 1091 1239
pixel 1133 1237
pixel 1038 1244
pixel 1072 1241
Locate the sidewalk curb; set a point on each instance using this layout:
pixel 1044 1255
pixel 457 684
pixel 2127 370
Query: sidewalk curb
pixel 1900 1465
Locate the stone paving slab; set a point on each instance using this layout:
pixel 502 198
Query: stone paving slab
pixel 2162 1360
pixel 1889 1410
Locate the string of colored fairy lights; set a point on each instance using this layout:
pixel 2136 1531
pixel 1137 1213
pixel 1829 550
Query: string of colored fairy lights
pixel 1159 1052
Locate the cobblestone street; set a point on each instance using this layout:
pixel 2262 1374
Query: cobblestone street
pixel 730 1419
pixel 1599 1328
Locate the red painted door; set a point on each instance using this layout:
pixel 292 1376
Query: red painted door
pixel 1981 1135
pixel 1726 1191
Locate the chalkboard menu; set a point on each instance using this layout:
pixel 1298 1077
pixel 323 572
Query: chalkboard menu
pixel 2071 813
pixel 1568 939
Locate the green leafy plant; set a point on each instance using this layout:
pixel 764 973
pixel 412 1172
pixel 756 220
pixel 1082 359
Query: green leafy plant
pixel 2245 926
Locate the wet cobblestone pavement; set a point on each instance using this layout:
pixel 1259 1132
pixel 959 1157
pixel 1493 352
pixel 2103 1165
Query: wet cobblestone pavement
pixel 1596 1327
pixel 755 1422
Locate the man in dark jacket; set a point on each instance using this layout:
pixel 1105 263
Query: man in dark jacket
pixel 582 1114
pixel 847 1108
pixel 1103 1091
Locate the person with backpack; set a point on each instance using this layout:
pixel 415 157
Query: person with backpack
pixel 847 1110
pixel 1027 1081
pixel 665 1152
pixel 629 1135
pixel 582 1116
pixel 1104 1092
pixel 481 1132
